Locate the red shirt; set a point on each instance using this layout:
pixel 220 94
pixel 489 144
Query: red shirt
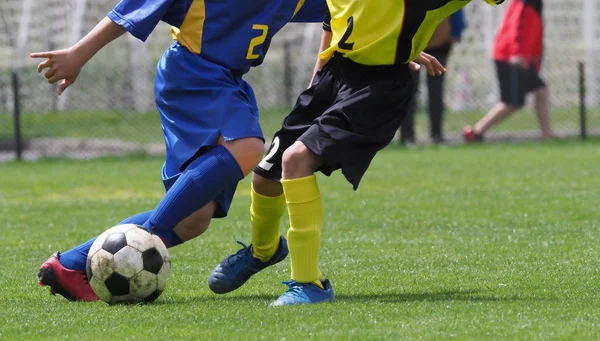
pixel 521 33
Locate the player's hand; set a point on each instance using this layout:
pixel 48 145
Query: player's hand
pixel 434 67
pixel 61 65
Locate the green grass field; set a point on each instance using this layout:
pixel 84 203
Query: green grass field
pixel 479 242
pixel 145 127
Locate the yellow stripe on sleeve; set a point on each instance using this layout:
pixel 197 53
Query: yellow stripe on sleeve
pixel 298 7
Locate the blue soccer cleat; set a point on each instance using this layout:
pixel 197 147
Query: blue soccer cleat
pixel 236 269
pixel 305 293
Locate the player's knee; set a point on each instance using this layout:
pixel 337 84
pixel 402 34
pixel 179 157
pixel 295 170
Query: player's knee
pixel 297 161
pixel 192 228
pixel 294 156
pixel 255 153
pixel 511 107
pixel 266 187
pixel 542 93
pixel 197 223
pixel 247 152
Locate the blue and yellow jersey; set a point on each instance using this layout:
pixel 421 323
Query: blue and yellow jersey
pixel 234 34
pixel 385 32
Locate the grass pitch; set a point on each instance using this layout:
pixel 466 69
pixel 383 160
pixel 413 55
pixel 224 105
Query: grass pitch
pixel 145 126
pixel 464 243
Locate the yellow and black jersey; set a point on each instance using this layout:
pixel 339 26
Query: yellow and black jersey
pixel 385 32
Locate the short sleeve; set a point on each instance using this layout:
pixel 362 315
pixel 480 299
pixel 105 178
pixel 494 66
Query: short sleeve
pixel 311 11
pixel 139 18
pixel 327 21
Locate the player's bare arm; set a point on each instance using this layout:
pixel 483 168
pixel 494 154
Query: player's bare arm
pixel 64 65
pixel 325 42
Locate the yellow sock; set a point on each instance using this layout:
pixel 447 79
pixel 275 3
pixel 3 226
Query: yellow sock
pixel 304 236
pixel 265 213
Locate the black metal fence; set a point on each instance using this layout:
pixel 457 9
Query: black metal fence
pixel 110 109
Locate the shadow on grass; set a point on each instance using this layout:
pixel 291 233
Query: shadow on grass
pixel 216 298
pixel 389 297
pixel 449 295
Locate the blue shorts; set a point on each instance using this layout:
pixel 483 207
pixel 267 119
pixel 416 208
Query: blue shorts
pixel 199 101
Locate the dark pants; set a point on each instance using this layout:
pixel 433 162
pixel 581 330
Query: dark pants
pixel 516 82
pixel 349 113
pixel 435 94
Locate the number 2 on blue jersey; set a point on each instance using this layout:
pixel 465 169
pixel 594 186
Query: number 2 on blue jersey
pixel 263 29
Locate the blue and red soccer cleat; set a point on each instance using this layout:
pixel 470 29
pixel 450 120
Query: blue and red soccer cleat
pixel 236 269
pixel 71 284
pixel 305 293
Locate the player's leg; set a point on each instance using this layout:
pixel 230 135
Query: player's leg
pixel 435 95
pixel 194 119
pixel 512 98
pixel 191 227
pixel 212 135
pixel 267 200
pixel 196 224
pixel 184 213
pixel 368 110
pixel 267 206
pixel 65 273
pixel 203 180
pixel 268 247
pixel 266 209
pixel 534 83
pixel 542 110
pixel 305 211
pixel 75 258
pixel 496 115
pixel 407 130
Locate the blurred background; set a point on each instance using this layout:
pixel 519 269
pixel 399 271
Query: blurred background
pixel 110 110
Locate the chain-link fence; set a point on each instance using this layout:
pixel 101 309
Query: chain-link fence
pixel 111 108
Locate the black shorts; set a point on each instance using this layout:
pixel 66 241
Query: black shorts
pixel 516 82
pixel 349 113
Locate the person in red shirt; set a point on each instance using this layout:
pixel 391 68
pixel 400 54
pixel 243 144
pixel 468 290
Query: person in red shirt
pixel 517 52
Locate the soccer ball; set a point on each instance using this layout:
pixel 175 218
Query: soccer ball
pixel 128 264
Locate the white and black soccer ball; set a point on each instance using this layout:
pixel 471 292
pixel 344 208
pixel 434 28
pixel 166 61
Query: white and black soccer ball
pixel 128 264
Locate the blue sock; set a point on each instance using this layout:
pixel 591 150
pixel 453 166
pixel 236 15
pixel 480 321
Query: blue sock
pixel 200 183
pixel 76 258
pixel 138 219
